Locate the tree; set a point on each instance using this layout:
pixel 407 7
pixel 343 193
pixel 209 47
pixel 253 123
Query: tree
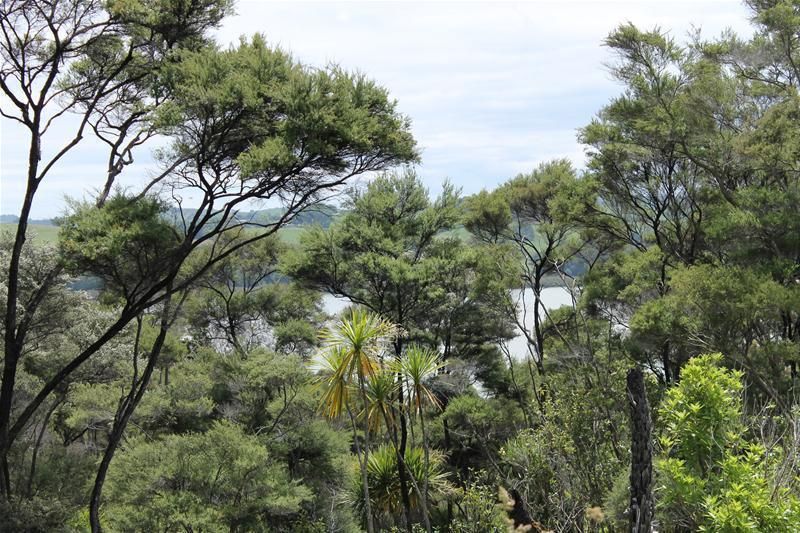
pixel 269 128
pixel 224 465
pixel 377 255
pixel 418 366
pixel 388 255
pixel 530 214
pixel 351 356
pixel 384 483
pixel 696 150
pixel 650 195
pixel 99 61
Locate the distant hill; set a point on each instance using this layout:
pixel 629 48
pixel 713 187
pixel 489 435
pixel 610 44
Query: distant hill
pixel 322 214
pixel 13 219
pixel 45 230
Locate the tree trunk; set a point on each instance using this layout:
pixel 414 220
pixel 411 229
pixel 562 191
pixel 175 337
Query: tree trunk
pixel 365 464
pixel 641 480
pixel 537 327
pixel 401 451
pixel 665 361
pixel 401 471
pixel 124 413
pixel 427 473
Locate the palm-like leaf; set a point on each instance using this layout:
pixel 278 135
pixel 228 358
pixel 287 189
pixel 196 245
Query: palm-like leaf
pixel 364 335
pixel 381 388
pixel 333 367
pixel 351 356
pixel 419 365
pixel 384 485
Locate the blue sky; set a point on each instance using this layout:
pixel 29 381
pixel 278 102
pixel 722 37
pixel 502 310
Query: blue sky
pixel 492 89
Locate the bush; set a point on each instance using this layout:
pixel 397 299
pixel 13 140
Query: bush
pixel 710 478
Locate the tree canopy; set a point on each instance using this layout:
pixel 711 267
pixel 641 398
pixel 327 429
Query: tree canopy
pixel 400 366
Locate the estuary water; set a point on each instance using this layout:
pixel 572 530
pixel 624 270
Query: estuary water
pixel 552 298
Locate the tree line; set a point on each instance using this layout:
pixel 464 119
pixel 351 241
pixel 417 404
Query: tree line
pixel 205 388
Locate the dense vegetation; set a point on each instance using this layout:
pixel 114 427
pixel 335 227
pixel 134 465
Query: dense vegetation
pixel 204 387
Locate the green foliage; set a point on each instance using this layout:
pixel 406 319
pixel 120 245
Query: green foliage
pixel 268 110
pixel 390 253
pixel 223 467
pixel 536 200
pixel 419 366
pixel 479 427
pixel 352 355
pixel 385 238
pixel 33 514
pixel 701 417
pixel 36 263
pixel 384 486
pixel 535 214
pixel 710 477
pixel 530 458
pixel 479 510
pixel 488 216
pixel 617 501
pixel 127 242
pixel 680 238
pixel 216 446
pixel 170 21
pixel 184 403
pixel 571 458
pixel 242 302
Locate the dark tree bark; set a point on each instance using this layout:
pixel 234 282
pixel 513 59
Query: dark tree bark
pixel 518 513
pixel 641 481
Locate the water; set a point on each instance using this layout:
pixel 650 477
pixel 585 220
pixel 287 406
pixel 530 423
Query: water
pixel 333 305
pixel 552 298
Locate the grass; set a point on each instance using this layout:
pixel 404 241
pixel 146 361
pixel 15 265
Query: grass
pixel 40 233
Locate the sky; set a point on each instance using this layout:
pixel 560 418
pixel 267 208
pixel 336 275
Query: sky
pixel 492 89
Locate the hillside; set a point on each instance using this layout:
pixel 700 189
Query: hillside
pixel 46 231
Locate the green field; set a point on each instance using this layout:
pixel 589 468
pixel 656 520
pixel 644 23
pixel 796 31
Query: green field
pixel 291 234
pixel 39 232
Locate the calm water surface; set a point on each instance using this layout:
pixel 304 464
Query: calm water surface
pixel 552 297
